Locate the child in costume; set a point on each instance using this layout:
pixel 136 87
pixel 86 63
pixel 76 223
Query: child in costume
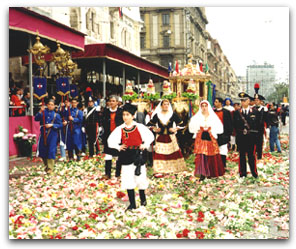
pixel 131 139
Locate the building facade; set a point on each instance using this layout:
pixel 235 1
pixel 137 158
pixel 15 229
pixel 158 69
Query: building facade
pixel 262 74
pixel 171 34
pixel 222 73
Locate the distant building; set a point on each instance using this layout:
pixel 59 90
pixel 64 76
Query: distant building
pixel 171 34
pixel 262 74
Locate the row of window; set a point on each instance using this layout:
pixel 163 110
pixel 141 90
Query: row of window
pixel 165 19
pixel 166 41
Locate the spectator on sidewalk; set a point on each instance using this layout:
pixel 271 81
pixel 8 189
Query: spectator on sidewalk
pixel 273 124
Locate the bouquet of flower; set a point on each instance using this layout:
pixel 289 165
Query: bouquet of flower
pixel 24 136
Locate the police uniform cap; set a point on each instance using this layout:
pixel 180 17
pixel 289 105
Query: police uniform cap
pixel 243 96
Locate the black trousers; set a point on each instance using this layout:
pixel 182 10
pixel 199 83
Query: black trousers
pixel 246 147
pixel 91 137
pixel 77 152
pixel 259 145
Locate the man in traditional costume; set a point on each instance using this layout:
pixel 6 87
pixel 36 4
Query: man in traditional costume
pixel 91 123
pixel 205 125
pixel 167 157
pixel 111 118
pixel 73 122
pixel 131 139
pixel 226 119
pixel 47 149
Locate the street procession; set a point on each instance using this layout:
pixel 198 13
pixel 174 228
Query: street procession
pixel 126 129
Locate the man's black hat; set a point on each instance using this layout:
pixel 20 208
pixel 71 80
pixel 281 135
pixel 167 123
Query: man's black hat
pixel 130 108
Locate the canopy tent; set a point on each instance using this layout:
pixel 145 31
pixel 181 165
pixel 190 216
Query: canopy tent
pixel 24 22
pixel 112 60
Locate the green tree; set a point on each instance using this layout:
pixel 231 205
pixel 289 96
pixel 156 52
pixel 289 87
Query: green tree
pixel 281 90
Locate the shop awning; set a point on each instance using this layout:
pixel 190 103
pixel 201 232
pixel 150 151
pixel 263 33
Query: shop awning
pixel 121 56
pixel 23 22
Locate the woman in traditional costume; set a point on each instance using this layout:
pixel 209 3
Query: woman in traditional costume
pixel 205 124
pixel 167 157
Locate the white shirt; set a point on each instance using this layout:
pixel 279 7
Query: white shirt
pixel 114 139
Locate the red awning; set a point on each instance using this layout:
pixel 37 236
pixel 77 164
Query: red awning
pixel 122 56
pixel 26 21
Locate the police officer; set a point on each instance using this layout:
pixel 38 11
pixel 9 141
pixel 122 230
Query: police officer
pixel 263 118
pixel 91 124
pixel 73 122
pixel 246 122
pixel 111 118
pixel 53 122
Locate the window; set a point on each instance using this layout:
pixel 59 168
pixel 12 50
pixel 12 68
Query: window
pixel 74 19
pixel 93 17
pixel 112 30
pixel 123 37
pixel 142 41
pixel 166 41
pixel 165 19
pixel 165 60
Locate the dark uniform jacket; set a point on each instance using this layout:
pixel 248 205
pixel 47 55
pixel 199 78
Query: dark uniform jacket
pixel 106 118
pixel 246 132
pixel 224 138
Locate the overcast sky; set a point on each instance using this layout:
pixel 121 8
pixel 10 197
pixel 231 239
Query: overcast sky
pixel 248 34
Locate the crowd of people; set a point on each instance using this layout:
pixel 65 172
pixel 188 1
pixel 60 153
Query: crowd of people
pixel 133 140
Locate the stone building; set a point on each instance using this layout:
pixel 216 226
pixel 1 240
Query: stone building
pixel 171 34
pixel 222 73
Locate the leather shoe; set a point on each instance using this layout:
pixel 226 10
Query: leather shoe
pixel 144 203
pixel 130 207
pixel 105 177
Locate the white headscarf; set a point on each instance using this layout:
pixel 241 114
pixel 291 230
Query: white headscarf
pixel 199 120
pixel 164 118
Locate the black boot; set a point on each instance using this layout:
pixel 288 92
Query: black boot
pixel 45 164
pixel 118 169
pixel 202 177
pixel 131 197
pixel 143 197
pixel 77 152
pixel 70 155
pixel 108 164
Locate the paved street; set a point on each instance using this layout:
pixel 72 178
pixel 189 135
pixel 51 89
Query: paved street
pixel 76 203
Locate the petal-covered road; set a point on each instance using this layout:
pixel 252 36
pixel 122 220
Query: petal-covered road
pixel 75 204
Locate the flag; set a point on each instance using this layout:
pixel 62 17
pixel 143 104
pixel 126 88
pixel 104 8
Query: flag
pixel 214 92
pixel 207 68
pixel 73 91
pixel 200 66
pixel 63 87
pixel 120 11
pixel 40 87
pixel 170 67
pixel 177 66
